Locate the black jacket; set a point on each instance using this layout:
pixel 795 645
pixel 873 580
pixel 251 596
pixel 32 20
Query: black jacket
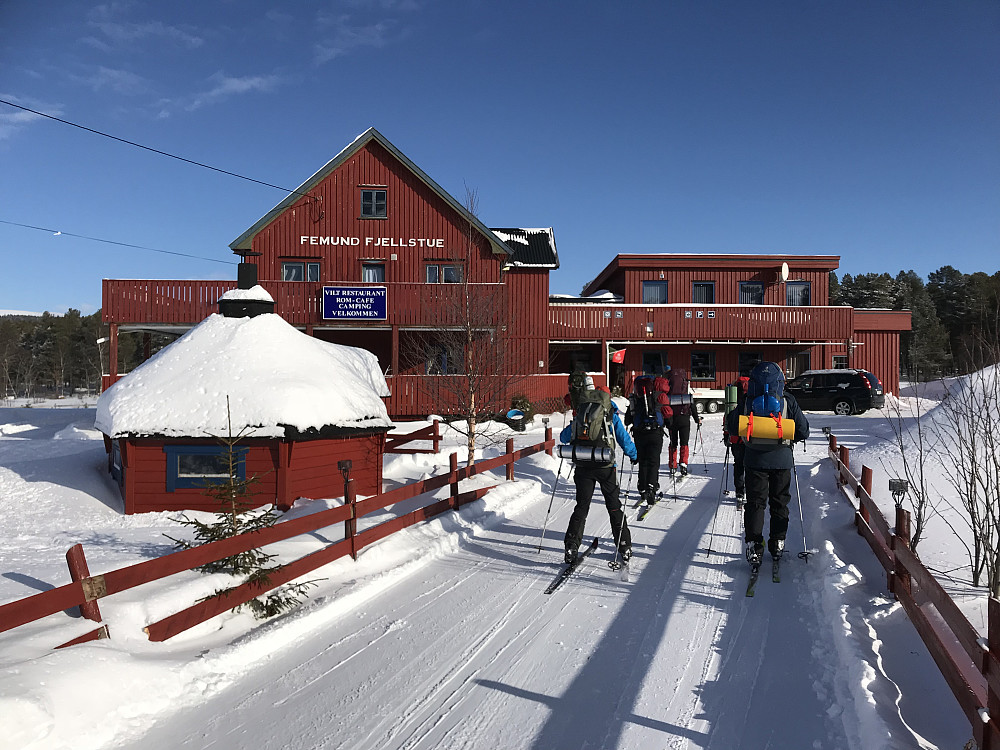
pixel 768 457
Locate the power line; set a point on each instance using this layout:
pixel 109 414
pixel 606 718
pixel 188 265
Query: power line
pixel 112 242
pixel 157 151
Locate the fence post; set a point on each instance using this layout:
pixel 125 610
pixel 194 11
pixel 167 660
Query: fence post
pixel 548 437
pixel 351 501
pixel 437 435
pixel 453 476
pixel 991 735
pixel 866 484
pixel 899 578
pixel 510 463
pixel 78 571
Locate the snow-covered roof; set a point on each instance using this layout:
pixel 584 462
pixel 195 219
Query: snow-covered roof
pixel 274 376
pixel 256 293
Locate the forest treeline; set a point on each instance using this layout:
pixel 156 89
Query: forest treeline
pixel 956 330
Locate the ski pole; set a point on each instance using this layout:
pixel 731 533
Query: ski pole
pixel 552 497
pixel 711 537
pixel 804 554
pixel 702 438
pixel 621 529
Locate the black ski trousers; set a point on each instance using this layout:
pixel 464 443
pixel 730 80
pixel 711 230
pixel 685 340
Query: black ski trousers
pixel 766 488
pixel 586 476
pixel 680 430
pixel 649 445
pixel 739 470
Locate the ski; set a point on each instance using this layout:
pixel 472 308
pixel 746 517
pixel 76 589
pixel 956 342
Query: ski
pixel 644 512
pixel 754 572
pixel 571 568
pixel 776 570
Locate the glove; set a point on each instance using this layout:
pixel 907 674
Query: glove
pixel 633 461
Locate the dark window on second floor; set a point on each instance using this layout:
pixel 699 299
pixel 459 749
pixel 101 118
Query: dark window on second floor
pixel 751 293
pixel 702 366
pixel 654 293
pixel 703 293
pixel 443 273
pixel 374 272
pixel 373 204
pixel 798 293
pixel 299 271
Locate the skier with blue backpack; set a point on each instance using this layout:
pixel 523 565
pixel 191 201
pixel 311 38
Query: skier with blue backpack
pixel 769 422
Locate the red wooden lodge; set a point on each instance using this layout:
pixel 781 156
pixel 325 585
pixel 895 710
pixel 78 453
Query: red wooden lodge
pixel 371 252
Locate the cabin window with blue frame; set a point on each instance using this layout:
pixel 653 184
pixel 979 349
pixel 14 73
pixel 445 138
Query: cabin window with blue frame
pixel 654 293
pixel 199 466
pixel 703 292
pixel 751 293
pixel 373 204
pixel 746 361
pixel 702 366
pixel 117 468
pixel 798 293
pixel 294 270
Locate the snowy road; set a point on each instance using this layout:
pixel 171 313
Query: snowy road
pixel 468 652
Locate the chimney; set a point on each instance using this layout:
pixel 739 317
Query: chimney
pixel 248 299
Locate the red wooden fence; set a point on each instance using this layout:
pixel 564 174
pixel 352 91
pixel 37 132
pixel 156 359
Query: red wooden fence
pixel 969 663
pixel 86 589
pixel 394 440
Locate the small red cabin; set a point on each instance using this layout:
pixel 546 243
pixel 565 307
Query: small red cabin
pixel 299 406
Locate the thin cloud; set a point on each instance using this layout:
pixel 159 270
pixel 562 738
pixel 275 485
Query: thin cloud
pixel 119 81
pixel 227 86
pixel 12 120
pixel 118 33
pixel 346 38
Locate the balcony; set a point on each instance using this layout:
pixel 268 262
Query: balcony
pixel 180 302
pixel 689 322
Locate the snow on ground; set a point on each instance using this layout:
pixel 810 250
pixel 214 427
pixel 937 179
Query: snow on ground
pixel 440 636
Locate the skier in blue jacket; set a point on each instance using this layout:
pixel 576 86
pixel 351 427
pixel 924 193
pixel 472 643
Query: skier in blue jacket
pixel 589 473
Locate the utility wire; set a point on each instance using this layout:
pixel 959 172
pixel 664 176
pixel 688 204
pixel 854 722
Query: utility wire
pixel 112 242
pixel 156 151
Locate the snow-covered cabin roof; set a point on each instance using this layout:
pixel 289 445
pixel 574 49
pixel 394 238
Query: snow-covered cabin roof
pixel 533 248
pixel 279 381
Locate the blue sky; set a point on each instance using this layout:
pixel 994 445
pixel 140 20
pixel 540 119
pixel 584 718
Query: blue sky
pixel 858 128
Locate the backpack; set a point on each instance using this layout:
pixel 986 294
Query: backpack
pixel 642 405
pixel 578 382
pixel 592 423
pixel 679 391
pixel 766 403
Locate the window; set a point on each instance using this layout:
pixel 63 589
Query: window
pixel 703 292
pixel 373 204
pixel 839 361
pixel 443 360
pixel 438 273
pixel 198 466
pixel 654 292
pixel 751 293
pixel 702 365
pixel 747 361
pixel 299 271
pixel 373 272
pixel 798 293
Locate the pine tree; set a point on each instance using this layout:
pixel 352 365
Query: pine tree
pixel 924 349
pixel 236 515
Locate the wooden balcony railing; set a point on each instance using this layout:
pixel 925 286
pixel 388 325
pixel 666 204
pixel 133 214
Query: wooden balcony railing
pixel 300 303
pixel 683 322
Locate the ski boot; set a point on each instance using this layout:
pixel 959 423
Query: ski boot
pixel 625 554
pixel 571 555
pixel 755 553
pixel 683 469
pixel 776 547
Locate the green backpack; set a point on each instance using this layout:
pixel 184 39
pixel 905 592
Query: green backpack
pixel 592 422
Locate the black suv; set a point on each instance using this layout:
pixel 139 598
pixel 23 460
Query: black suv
pixel 842 391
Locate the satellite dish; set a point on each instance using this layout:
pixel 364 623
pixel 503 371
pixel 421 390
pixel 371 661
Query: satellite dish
pixel 784 272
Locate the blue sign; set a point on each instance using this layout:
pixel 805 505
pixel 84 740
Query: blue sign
pixel 354 303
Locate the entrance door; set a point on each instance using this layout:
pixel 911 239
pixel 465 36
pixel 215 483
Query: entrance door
pixel 796 364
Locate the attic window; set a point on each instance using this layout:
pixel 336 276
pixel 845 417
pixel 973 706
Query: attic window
pixel 373 204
